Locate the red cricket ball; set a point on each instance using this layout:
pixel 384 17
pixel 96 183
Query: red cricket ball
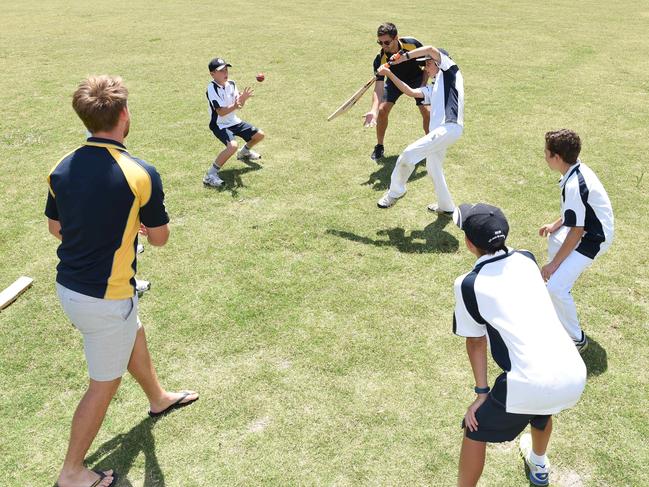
pixel 260 77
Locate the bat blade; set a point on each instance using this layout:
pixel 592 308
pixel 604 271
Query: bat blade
pixel 352 99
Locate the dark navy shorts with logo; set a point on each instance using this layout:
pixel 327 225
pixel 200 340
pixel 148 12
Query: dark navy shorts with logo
pixel 242 129
pixel 495 424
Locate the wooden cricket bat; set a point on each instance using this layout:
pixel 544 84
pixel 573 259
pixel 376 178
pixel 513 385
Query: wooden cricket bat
pixel 352 99
pixel 10 294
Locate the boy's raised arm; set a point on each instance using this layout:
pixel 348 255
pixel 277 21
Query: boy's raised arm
pixel 405 89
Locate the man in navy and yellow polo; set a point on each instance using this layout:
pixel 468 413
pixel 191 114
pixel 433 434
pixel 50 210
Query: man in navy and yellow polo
pixel 386 93
pixel 100 193
pixel 99 198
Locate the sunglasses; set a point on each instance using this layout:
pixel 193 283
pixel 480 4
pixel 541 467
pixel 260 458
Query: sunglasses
pixel 384 43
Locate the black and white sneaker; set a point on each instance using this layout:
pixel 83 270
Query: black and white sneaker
pixel 377 153
pixel 582 344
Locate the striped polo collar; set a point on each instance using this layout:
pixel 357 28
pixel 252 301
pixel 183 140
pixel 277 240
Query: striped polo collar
pixel 484 259
pixel 101 142
pixel 566 176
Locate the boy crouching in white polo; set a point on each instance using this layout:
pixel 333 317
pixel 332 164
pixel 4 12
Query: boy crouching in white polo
pixel 582 232
pixel 224 100
pixel 504 297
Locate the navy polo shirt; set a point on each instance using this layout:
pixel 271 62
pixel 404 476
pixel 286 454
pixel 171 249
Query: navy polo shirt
pixel 100 193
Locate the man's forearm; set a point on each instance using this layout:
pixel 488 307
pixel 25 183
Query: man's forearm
pixel 377 95
pixel 54 227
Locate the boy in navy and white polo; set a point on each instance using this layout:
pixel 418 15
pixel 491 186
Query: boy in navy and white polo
pixel 503 301
pixel 446 99
pixel 224 100
pixel 582 232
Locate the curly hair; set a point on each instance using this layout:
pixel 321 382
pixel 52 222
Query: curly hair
pixel 564 143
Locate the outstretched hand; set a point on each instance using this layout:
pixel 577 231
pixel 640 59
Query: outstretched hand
pixel 244 95
pixel 369 120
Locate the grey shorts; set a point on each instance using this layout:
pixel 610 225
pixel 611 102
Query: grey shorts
pixel 108 326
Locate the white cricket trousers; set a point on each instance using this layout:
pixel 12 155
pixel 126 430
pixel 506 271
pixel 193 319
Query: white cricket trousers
pixel 561 282
pixel 431 147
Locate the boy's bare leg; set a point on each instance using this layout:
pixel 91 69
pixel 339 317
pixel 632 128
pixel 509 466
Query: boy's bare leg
pixel 258 137
pixel 226 153
pixel 541 438
pixel 141 368
pixel 425 116
pixel 472 457
pixel 87 419
pixel 382 121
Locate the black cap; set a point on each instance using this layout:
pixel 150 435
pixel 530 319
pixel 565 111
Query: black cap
pixel 484 225
pixel 217 64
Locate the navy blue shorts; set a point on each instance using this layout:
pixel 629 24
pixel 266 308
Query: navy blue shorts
pixel 391 93
pixel 242 129
pixel 495 424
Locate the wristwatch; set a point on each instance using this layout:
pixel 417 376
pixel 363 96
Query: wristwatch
pixel 481 390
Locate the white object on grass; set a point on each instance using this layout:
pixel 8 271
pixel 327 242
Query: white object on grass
pixel 10 294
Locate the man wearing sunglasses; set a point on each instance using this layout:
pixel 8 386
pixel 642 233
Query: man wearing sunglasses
pixel 385 92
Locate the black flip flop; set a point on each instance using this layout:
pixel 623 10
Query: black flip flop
pixel 177 405
pixel 102 475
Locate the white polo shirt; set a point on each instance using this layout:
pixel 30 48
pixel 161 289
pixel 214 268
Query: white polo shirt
pixel 585 203
pixel 505 298
pixel 446 95
pixel 222 96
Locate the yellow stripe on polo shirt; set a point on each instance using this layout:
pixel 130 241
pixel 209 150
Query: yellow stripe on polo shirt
pixel 139 181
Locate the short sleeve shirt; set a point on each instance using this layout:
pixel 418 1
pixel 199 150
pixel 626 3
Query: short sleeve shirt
pixel 585 203
pixel 446 95
pixel 504 297
pixel 100 194
pixel 219 97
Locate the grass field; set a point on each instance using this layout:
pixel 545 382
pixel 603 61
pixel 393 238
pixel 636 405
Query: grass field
pixel 316 327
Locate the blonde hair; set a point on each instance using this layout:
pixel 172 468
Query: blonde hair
pixel 99 100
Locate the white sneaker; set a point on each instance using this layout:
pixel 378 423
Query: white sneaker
pixel 387 201
pixel 141 287
pixel 212 180
pixel 436 209
pixel 140 248
pixel 247 154
pixel 539 474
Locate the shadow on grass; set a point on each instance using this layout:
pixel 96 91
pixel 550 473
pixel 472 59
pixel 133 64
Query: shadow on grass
pixel 595 358
pixel 121 452
pixel 432 238
pixel 232 180
pixel 380 179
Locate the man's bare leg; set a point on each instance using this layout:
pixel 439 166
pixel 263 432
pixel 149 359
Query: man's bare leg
pixel 141 368
pixel 382 121
pixel 86 422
